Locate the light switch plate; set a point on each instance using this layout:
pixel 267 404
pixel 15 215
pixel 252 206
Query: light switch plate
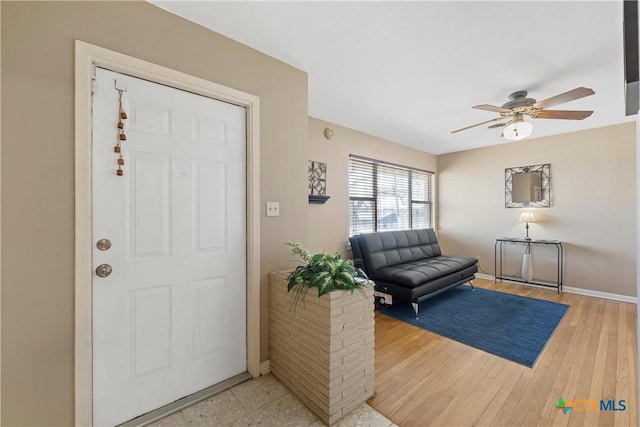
pixel 273 208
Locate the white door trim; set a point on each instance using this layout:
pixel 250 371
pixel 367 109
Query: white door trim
pixel 87 56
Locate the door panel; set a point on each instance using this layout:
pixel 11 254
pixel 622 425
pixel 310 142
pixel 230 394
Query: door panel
pixel 149 206
pixel 150 119
pixel 209 316
pixel 170 320
pixel 150 331
pixel 210 179
pixel 209 130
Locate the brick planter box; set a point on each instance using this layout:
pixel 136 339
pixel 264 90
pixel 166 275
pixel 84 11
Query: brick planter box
pixel 323 350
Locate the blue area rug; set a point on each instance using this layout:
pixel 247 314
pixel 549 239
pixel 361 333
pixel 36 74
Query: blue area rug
pixel 510 326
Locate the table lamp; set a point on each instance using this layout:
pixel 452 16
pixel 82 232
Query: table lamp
pixel 527 217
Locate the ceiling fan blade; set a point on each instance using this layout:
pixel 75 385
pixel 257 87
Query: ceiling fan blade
pixel 562 114
pixel 577 93
pixel 502 125
pixel 488 107
pixel 478 124
pixel 497 125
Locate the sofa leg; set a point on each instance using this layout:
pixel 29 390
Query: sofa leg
pixel 415 308
pixel 473 288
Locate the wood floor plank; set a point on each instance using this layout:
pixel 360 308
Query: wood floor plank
pixel 534 403
pixel 622 368
pixel 476 395
pixel 596 389
pixel 513 376
pixel 583 388
pixel 442 393
pixel 423 379
pixel 572 371
pixel 630 360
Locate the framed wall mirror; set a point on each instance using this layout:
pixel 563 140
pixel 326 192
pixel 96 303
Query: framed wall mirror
pixel 528 186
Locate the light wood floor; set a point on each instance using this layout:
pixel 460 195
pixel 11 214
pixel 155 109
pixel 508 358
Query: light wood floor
pixel 423 379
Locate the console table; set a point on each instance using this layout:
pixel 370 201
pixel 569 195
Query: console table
pixel 498 251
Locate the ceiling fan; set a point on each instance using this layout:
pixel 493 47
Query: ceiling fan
pixel 513 111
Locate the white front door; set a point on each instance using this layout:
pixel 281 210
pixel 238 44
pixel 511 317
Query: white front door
pixel 170 319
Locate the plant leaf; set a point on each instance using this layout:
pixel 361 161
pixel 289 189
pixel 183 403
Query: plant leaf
pixel 347 279
pixel 320 279
pixel 325 286
pixel 291 283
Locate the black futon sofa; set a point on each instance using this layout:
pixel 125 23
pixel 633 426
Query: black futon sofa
pixel 408 264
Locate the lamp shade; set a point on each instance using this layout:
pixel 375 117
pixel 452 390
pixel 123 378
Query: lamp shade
pixel 518 130
pixel 527 217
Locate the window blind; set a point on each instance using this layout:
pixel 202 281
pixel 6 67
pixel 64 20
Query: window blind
pixel 384 196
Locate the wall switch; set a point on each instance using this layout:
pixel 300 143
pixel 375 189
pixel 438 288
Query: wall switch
pixel 273 208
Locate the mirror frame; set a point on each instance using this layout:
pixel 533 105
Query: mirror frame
pixel 545 170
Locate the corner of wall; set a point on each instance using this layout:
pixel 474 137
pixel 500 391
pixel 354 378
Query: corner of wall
pixel 329 223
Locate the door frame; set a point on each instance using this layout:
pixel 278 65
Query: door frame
pixel 87 56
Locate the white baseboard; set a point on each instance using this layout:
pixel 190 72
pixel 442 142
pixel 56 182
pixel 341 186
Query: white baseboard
pixel 265 367
pixel 572 290
pixel 598 294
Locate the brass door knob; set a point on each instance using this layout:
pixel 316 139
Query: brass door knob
pixel 103 270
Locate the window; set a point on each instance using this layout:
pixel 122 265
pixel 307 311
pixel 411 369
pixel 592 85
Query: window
pixel 384 196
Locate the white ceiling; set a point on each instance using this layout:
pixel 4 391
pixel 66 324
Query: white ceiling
pixel 409 72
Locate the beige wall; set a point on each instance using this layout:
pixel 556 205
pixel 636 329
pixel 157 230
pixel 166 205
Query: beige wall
pixel 38 182
pixel 329 223
pixel 593 189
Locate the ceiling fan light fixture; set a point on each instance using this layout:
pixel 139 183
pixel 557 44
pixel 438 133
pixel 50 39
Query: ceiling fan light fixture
pixel 518 130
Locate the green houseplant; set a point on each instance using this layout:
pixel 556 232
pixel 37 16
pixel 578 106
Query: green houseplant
pixel 323 271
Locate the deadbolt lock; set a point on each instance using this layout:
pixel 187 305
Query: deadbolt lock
pixel 103 270
pixel 103 244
